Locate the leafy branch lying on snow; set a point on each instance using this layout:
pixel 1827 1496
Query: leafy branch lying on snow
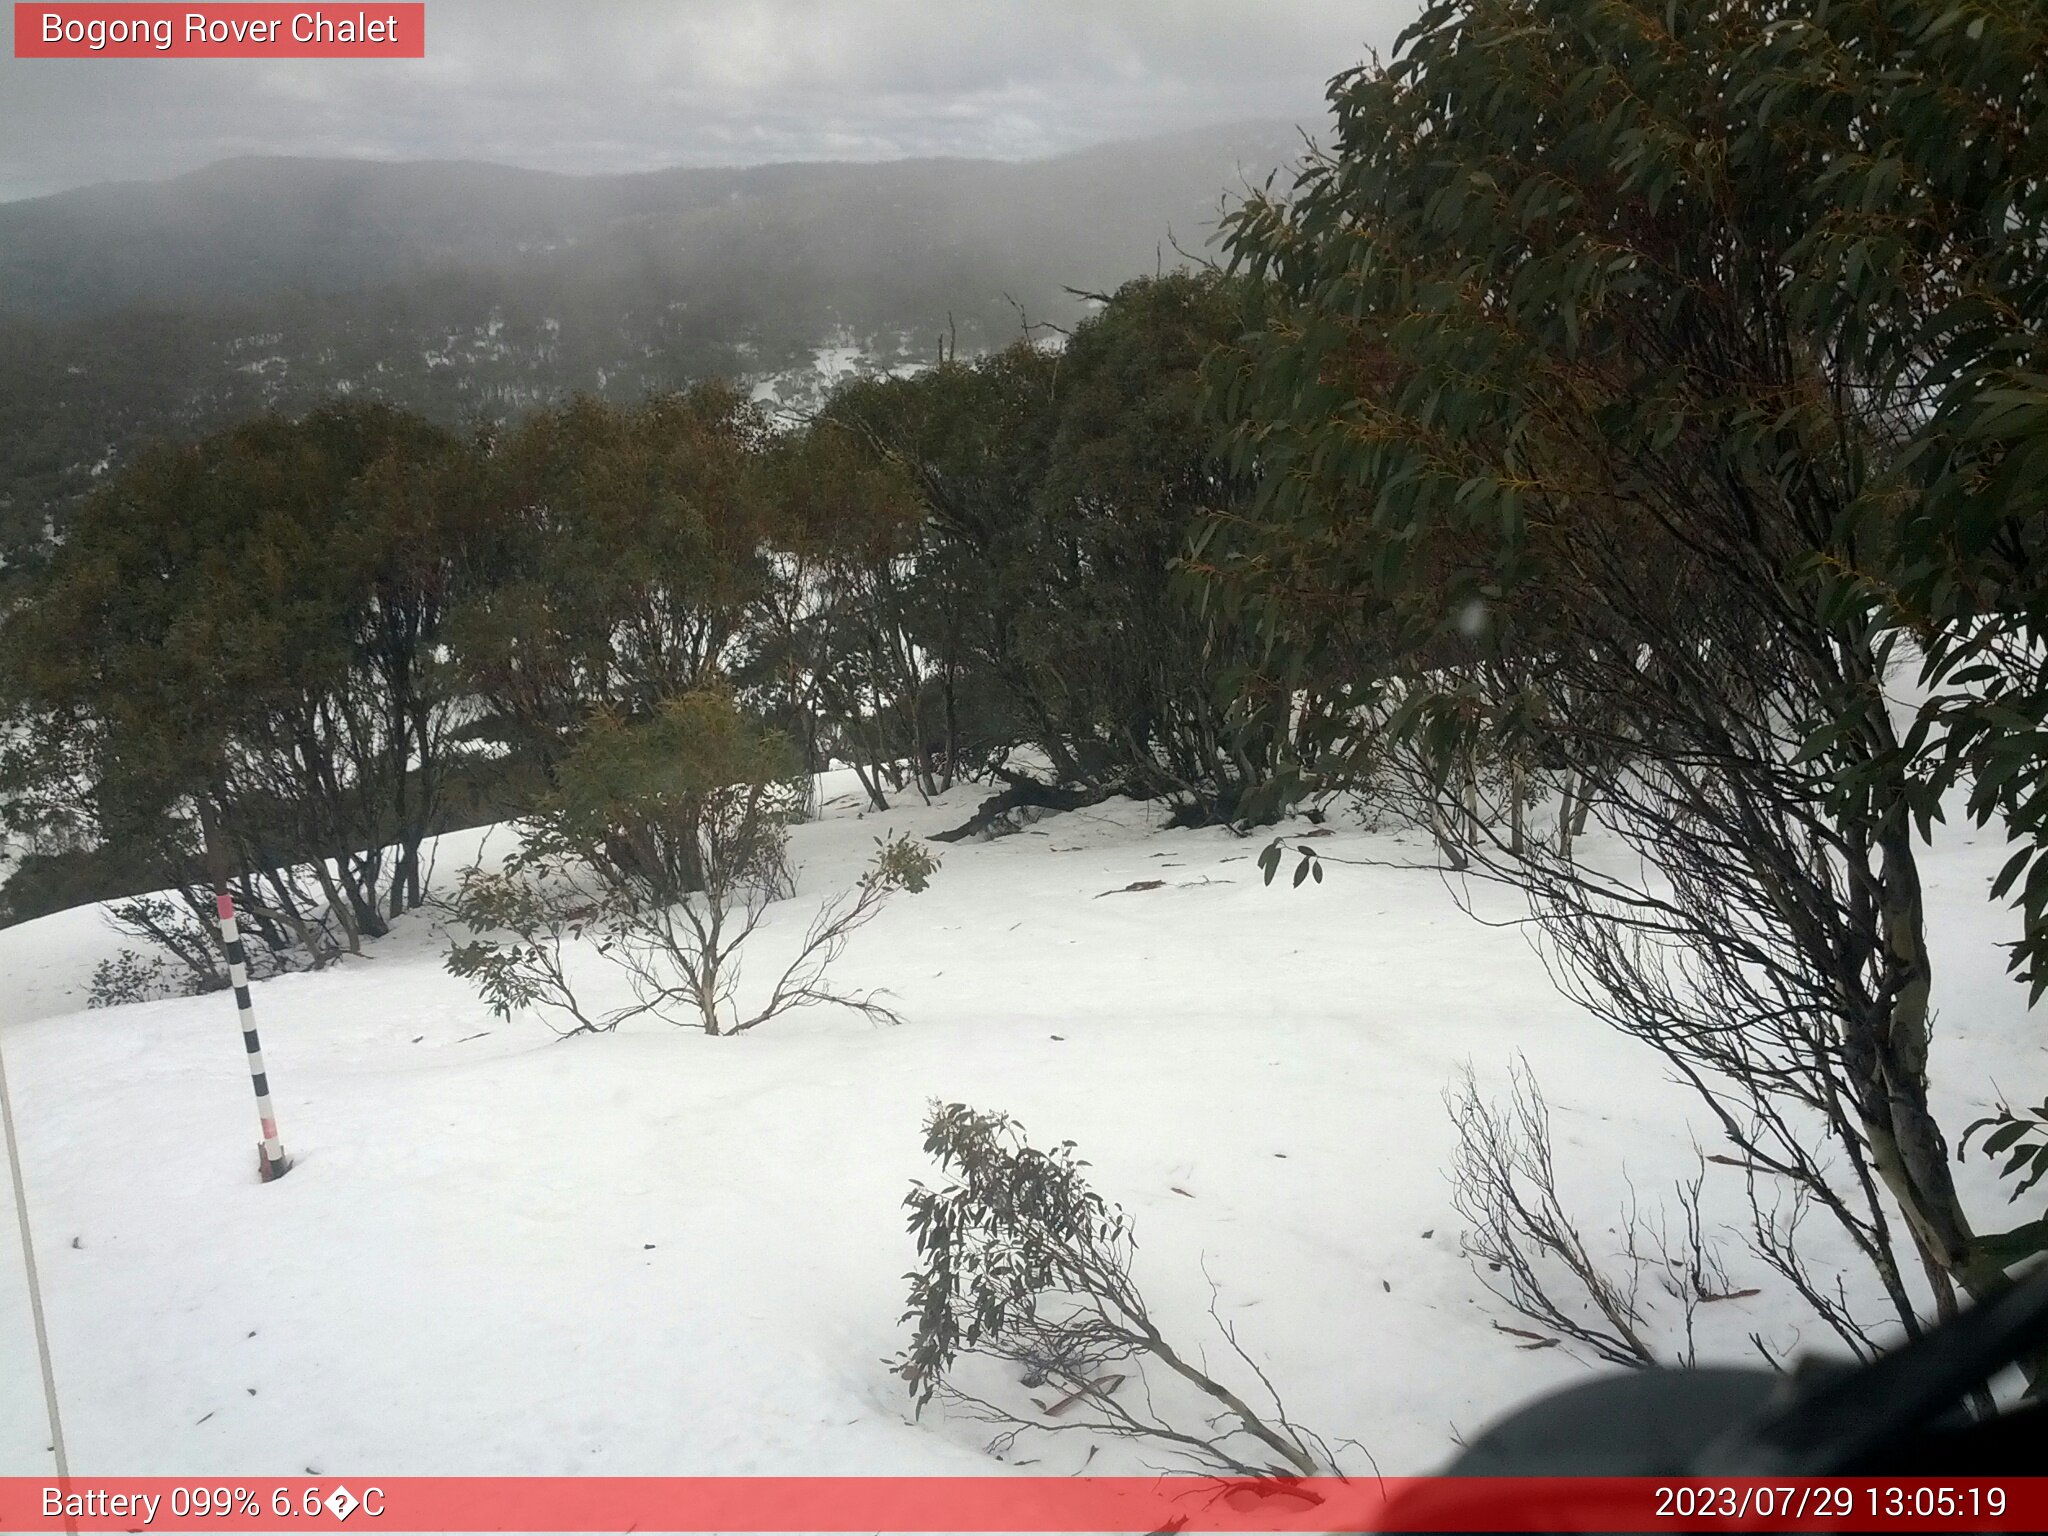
pixel 1023 1265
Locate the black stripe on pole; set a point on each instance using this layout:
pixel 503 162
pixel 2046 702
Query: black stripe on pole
pixel 235 953
pixel 262 1084
pixel 250 1043
pixel 242 998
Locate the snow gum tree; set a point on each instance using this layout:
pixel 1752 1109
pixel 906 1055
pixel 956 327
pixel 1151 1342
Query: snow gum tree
pixel 626 545
pixel 1570 400
pixel 244 635
pixel 1060 489
pixel 858 639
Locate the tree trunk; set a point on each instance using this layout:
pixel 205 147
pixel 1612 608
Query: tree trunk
pixel 1444 830
pixel 876 801
pixel 1022 792
pixel 338 906
pixel 1583 809
pixel 1887 1059
pixel 218 869
pixel 1515 808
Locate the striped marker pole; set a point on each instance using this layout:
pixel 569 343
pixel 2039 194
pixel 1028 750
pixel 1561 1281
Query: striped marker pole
pixel 270 1154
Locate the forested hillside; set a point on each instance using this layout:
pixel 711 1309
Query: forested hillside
pixel 477 292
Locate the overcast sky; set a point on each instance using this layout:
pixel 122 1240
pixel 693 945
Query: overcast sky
pixel 620 85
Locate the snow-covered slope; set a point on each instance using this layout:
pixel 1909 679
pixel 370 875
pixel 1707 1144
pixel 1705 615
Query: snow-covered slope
pixel 660 1253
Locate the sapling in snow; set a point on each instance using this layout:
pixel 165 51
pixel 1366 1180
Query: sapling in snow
pixel 663 845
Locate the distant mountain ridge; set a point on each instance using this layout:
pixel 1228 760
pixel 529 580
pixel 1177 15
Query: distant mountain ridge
pixel 467 290
pixel 239 229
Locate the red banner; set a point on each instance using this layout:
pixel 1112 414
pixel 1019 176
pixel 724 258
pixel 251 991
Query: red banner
pixel 262 31
pixel 1015 1504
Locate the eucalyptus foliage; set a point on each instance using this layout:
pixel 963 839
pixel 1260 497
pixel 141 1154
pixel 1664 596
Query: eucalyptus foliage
pixel 1633 395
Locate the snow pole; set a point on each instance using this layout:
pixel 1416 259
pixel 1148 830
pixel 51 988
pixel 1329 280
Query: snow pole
pixel 35 1289
pixel 270 1152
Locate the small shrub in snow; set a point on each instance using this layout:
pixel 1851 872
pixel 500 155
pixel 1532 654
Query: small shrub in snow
pixel 134 978
pixel 902 863
pixel 664 845
pixel 284 931
pixel 1022 1264
pixel 536 909
pixel 182 938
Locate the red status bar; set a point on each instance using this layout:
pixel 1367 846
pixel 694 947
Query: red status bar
pixel 1021 1503
pixel 238 31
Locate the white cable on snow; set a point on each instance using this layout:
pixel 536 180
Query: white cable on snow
pixel 35 1288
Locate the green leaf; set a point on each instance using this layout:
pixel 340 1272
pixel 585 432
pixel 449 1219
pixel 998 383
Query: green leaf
pixel 2005 1136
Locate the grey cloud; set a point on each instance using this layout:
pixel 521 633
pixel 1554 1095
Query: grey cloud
pixel 624 86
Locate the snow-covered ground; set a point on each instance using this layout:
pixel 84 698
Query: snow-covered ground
pixel 656 1252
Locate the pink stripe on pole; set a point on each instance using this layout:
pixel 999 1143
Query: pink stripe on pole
pixel 226 905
